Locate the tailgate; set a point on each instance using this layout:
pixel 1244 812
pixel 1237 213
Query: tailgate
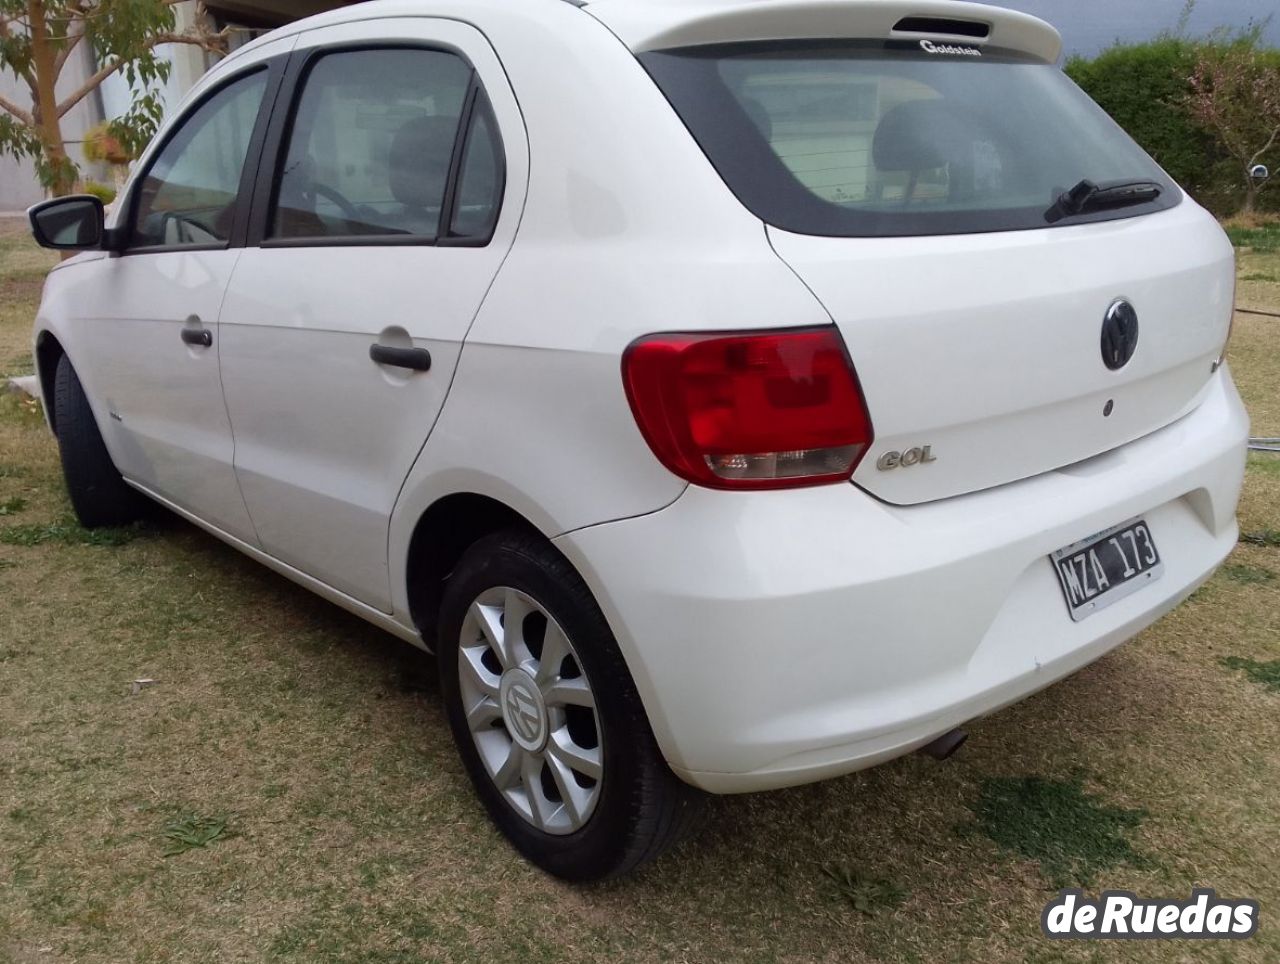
pixel 987 349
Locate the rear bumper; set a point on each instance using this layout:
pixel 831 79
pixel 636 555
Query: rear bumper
pixel 783 637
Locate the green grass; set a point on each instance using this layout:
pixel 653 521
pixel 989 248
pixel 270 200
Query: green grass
pixel 191 832
pixel 352 835
pixel 66 532
pixel 1268 538
pixel 861 892
pixel 1073 835
pixel 1247 575
pixel 18 367
pixel 1264 239
pixel 1264 674
pixel 1265 463
pixel 20 410
pixel 21 262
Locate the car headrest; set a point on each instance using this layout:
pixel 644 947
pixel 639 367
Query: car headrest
pixel 921 135
pixel 419 162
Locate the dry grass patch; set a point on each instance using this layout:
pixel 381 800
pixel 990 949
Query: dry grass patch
pixel 22 270
pixel 349 832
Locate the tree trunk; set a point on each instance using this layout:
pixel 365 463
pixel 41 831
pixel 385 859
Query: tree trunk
pixel 1250 198
pixel 60 174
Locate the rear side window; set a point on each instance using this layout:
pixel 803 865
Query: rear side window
pixel 872 140
pixel 188 196
pixel 480 179
pixel 372 146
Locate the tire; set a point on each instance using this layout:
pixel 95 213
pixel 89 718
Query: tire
pixel 607 826
pixel 99 495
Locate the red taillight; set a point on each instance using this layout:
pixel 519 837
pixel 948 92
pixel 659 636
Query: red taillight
pixel 1231 325
pixel 763 410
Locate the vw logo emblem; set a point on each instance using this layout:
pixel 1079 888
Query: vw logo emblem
pixel 1119 335
pixel 523 710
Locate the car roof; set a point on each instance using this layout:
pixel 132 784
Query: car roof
pixel 660 24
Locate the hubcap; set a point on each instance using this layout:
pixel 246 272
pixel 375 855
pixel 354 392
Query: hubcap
pixel 530 710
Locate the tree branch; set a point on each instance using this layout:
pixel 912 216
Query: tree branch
pixel 26 75
pixel 17 111
pixel 89 86
pixel 74 36
pixel 208 41
pixel 1275 134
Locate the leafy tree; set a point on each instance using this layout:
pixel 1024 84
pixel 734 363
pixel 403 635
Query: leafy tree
pixel 1144 88
pixel 37 41
pixel 1235 93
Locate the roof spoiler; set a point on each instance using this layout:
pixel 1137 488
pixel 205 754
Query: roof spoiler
pixel 663 24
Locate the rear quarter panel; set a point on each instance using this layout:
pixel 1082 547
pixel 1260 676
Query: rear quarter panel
pixel 627 230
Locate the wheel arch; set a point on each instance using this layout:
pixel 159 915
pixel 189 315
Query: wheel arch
pixel 446 530
pixel 49 352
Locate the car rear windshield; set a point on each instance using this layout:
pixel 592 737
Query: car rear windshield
pixel 853 139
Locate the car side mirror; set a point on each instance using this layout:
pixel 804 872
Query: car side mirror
pixel 69 223
pixel 1260 173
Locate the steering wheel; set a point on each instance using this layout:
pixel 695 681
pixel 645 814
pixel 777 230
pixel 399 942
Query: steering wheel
pixel 350 212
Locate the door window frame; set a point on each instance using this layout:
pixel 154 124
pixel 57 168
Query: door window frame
pixel 274 152
pixel 275 70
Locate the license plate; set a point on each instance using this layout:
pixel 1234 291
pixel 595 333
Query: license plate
pixel 1103 569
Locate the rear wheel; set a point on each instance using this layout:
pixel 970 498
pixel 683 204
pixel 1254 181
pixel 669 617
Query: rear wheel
pixel 99 495
pixel 547 719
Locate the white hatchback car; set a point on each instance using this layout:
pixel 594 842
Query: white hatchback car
pixel 732 394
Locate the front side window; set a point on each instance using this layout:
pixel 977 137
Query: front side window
pixel 188 196
pixel 371 149
pixel 863 139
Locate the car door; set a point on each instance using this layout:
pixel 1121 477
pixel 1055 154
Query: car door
pixel 377 229
pixel 152 343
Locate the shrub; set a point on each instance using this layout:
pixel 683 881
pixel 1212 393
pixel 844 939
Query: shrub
pixel 1148 90
pixel 101 145
pixel 1145 88
pixel 101 191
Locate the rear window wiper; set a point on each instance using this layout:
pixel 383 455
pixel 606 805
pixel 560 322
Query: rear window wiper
pixel 1087 196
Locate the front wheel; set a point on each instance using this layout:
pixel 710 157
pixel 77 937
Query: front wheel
pixel 547 719
pixel 99 495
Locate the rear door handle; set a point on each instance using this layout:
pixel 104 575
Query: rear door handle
pixel 198 337
pixel 415 359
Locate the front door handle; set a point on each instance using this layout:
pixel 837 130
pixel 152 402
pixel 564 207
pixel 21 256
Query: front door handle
pixel 198 337
pixel 416 359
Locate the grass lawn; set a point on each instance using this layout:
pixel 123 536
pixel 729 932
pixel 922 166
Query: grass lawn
pixel 287 790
